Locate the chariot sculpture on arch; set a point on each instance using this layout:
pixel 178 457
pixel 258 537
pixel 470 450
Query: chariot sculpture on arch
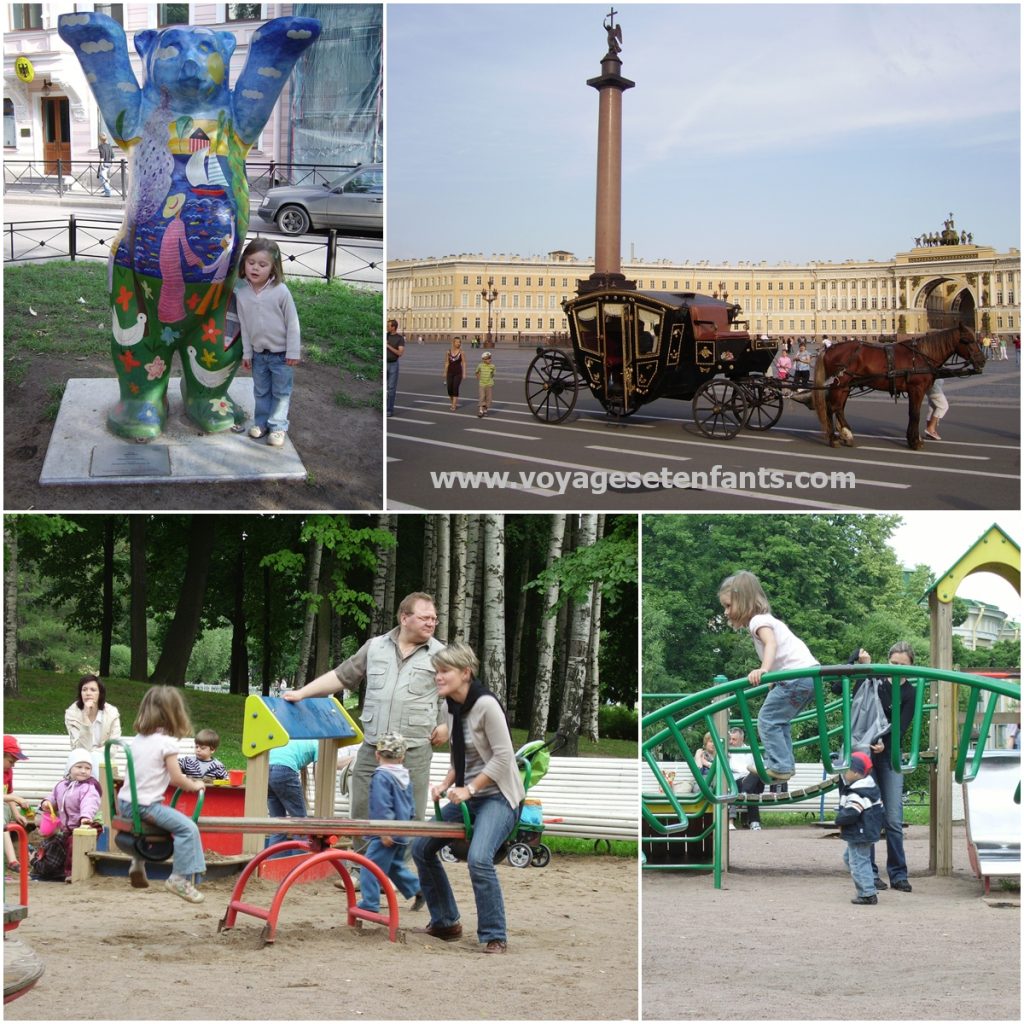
pixel 173 263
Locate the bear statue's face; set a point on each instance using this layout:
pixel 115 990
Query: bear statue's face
pixel 188 64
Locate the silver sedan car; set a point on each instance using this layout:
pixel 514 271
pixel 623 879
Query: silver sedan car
pixel 353 202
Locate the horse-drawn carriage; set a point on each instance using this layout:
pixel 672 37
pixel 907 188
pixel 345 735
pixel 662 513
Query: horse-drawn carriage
pixel 632 347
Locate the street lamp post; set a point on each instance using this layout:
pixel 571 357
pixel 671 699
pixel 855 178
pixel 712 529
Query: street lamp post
pixel 490 293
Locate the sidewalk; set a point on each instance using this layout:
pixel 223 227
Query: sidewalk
pixel 38 194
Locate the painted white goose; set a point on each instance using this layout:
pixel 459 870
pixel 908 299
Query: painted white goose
pixel 208 378
pixel 128 336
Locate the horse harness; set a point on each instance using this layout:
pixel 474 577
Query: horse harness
pixel 893 373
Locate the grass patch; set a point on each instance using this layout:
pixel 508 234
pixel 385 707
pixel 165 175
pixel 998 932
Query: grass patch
pixel 568 846
pixel 341 325
pixel 54 394
pixel 44 697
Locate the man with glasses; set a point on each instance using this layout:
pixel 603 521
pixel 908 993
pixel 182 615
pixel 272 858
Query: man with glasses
pixel 400 697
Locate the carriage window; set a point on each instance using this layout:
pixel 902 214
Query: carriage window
pixel 649 332
pixel 586 328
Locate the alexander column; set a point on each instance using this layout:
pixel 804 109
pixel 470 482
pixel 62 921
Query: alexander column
pixel 610 86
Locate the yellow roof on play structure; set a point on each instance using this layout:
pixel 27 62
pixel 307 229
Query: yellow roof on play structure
pixel 993 552
pixel 273 721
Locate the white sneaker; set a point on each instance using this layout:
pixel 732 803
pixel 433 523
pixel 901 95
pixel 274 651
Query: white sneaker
pixel 184 888
pixel 755 826
pixel 732 827
pixel 276 439
pixel 257 432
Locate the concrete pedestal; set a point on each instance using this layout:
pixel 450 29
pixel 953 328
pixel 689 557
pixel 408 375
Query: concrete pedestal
pixel 83 451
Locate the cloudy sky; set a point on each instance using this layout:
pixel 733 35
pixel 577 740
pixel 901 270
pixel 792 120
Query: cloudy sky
pixel 755 131
pixel 938 539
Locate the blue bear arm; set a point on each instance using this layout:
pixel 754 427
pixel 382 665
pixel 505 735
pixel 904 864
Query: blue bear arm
pixel 102 49
pixel 273 52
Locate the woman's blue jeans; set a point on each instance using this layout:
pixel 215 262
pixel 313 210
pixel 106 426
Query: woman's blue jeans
pixel 493 820
pixel 890 784
pixel 188 848
pixel 784 702
pixel 284 799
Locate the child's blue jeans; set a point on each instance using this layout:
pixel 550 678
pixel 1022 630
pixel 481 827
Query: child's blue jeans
pixel 784 702
pixel 272 380
pixel 391 860
pixel 858 860
pixel 188 848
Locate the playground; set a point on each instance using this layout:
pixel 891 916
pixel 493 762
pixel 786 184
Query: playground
pixel 564 921
pixel 781 941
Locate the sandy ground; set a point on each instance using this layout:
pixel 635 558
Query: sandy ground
pixel 340 448
pixel 781 940
pixel 572 953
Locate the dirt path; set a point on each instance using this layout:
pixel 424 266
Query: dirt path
pixel 572 954
pixel 781 940
pixel 340 448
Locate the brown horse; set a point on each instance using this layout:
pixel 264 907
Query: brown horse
pixel 902 367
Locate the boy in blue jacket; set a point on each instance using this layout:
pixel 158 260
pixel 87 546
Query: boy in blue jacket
pixel 391 799
pixel 860 815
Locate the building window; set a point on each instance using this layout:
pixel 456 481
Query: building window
pixel 172 14
pixel 515 323
pixel 465 279
pixel 515 282
pixel 243 12
pixel 465 322
pixel 501 323
pixel 112 11
pixel 529 282
pixel 26 16
pixel 10 130
pixel 476 323
pixel 479 279
pixel 504 279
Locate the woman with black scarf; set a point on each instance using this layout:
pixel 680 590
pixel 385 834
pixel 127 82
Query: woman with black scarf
pixel 484 776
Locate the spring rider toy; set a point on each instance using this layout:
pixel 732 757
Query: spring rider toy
pixel 173 263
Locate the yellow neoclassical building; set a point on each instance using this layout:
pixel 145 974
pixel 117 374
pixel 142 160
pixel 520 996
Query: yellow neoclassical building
pixel 945 277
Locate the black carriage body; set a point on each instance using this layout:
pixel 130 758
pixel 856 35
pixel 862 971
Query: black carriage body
pixel 633 347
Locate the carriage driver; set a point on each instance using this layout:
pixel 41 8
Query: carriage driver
pixel 400 697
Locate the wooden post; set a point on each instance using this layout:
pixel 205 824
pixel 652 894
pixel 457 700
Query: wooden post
pixel 83 842
pixel 324 775
pixel 257 780
pixel 940 832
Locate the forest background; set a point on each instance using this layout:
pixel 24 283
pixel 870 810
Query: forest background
pixel 239 602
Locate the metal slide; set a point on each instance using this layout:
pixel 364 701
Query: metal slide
pixel 992 817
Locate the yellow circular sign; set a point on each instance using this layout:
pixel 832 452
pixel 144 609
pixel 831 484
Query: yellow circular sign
pixel 23 69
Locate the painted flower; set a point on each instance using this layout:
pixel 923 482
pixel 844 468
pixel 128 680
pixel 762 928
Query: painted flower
pixel 210 331
pixel 130 362
pixel 155 369
pixel 134 389
pixel 208 359
pixel 124 298
pixel 168 336
pixel 221 405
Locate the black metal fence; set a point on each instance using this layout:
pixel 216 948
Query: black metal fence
pixel 81 177
pixel 77 238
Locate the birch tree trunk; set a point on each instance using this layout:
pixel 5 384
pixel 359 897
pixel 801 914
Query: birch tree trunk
pixel 442 533
pixel 391 554
pixel 429 556
pixel 384 552
pixel 460 531
pixel 546 640
pixel 579 643
pixel 473 538
pixel 592 690
pixel 10 608
pixel 517 636
pixel 492 652
pixel 316 551
pixel 139 639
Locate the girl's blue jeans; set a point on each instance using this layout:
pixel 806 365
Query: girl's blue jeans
pixel 285 799
pixel 493 819
pixel 188 849
pixel 784 702
pixel 391 860
pixel 272 380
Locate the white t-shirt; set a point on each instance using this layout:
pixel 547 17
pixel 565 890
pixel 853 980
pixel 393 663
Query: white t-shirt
pixel 790 650
pixel 151 775
pixel 738 764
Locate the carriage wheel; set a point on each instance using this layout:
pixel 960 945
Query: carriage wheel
pixel 541 856
pixel 764 399
pixel 447 855
pixel 719 408
pixel 551 386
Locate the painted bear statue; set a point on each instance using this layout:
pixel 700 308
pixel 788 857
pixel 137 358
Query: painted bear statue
pixel 173 263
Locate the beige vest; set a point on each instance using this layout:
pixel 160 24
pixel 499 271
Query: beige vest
pixel 400 697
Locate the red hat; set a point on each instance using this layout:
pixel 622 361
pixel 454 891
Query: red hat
pixel 11 747
pixel 860 763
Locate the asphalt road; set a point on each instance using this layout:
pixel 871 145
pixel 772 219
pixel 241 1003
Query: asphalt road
pixel 359 260
pixel 584 463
